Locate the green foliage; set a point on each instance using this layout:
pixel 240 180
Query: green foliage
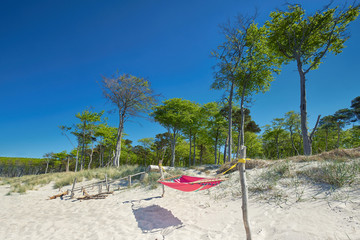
pixel 294 35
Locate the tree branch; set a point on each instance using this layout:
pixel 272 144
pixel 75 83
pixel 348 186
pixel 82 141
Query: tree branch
pixel 313 131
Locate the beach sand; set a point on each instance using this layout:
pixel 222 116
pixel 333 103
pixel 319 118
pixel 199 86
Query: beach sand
pixel 139 213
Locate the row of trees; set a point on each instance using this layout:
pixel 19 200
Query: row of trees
pixel 197 134
pixel 210 133
pixel 282 138
pixel 246 62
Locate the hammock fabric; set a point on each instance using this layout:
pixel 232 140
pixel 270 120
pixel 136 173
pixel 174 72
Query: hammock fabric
pixel 189 184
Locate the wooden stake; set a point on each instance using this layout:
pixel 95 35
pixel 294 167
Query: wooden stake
pixel 241 167
pixel 162 177
pixel 107 184
pixel 129 181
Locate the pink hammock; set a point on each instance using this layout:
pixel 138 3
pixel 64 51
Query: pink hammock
pixel 189 184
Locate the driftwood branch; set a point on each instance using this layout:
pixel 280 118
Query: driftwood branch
pixel 60 195
pixel 95 196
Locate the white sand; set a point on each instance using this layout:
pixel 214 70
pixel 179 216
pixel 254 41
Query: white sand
pixel 137 213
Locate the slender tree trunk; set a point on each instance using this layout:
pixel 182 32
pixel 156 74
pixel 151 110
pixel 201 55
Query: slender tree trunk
pixel 230 121
pixel 67 164
pixel 194 149
pixel 77 158
pixel 245 213
pixel 47 167
pixel 338 137
pixel 292 141
pixel 219 152
pixel 118 142
pixel 225 148
pixel 241 141
pixel 303 110
pixel 173 145
pixel 215 147
pixel 83 148
pixel 190 149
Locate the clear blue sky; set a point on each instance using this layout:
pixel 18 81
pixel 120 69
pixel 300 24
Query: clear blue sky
pixel 53 54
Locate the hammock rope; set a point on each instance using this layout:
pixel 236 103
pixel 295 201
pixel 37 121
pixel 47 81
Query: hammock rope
pixel 189 184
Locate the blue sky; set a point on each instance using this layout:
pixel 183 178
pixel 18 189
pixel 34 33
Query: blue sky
pixel 54 53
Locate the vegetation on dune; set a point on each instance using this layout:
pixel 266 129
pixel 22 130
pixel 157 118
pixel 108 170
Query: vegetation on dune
pixel 61 179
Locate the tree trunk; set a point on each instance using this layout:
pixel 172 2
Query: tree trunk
pixel 118 142
pixel 194 149
pixel 67 164
pixel 241 167
pixel 225 148
pixel 230 121
pixel 190 149
pixel 77 159
pixel 173 145
pixel 47 167
pixel 338 137
pixel 303 111
pixel 83 148
pixel 215 147
pixel 241 141
pixel 292 141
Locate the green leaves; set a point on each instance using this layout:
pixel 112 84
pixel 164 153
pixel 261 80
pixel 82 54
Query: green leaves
pixel 294 35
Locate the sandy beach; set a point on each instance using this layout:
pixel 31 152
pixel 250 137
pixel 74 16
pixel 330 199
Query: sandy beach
pixel 139 213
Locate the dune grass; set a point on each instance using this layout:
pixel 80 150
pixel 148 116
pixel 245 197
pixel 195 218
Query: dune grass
pixel 337 173
pixel 30 182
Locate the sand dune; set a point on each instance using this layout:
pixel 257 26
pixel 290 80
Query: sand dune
pixel 137 213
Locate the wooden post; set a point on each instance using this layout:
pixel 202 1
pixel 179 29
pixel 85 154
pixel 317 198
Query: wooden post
pixel 107 184
pixel 129 181
pixel 100 188
pixel 162 177
pixel 241 167
pixel 72 190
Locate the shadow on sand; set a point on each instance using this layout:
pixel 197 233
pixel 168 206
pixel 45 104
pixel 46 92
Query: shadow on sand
pixel 155 218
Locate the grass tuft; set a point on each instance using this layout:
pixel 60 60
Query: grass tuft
pixel 336 173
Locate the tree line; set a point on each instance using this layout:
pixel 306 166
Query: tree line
pixel 246 63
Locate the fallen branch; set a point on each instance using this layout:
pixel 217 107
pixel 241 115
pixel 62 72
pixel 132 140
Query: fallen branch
pixel 95 196
pixel 60 195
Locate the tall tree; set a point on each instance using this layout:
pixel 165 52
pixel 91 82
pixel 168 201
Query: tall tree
pixel 86 131
pixel 131 96
pixel 244 67
pixel 173 115
pixel 306 39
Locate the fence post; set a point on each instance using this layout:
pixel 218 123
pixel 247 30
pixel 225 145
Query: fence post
pixel 129 181
pixel 107 184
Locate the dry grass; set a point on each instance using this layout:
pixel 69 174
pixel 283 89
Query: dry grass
pixel 336 154
pixel 30 182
